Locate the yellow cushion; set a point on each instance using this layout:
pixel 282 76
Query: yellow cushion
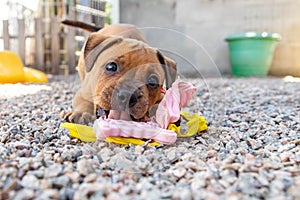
pixel 33 75
pixel 13 71
pixel 11 68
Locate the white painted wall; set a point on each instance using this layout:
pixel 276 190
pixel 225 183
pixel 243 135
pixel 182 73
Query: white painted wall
pixel 205 23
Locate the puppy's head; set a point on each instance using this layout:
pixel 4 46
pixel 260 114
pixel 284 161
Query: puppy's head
pixel 126 76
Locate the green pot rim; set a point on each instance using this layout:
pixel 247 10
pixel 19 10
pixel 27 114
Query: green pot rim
pixel 254 35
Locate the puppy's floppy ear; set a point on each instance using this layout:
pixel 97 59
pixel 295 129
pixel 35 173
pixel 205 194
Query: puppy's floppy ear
pixel 169 67
pixel 95 45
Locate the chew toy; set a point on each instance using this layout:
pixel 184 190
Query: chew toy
pixel 161 130
pixel 195 124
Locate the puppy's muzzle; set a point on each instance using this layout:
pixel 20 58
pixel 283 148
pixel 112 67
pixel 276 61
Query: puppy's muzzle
pixel 126 99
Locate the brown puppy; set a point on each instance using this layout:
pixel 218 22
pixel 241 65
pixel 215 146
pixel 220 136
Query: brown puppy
pixel 121 75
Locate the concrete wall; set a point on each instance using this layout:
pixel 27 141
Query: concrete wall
pixel 193 31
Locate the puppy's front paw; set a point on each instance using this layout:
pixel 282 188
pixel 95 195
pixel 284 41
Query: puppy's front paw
pixel 80 118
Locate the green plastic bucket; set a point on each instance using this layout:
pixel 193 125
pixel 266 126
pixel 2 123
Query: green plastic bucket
pixel 251 53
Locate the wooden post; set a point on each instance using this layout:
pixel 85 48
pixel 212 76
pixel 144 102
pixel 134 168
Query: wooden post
pixel 39 44
pixel 71 45
pixel 21 38
pixel 5 35
pixel 55 54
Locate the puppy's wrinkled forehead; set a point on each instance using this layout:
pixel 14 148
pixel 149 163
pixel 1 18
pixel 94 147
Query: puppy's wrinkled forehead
pixel 101 49
pixel 115 47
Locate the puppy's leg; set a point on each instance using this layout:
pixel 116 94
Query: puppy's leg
pixel 83 110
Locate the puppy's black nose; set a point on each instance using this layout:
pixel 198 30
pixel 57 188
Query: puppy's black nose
pixel 126 97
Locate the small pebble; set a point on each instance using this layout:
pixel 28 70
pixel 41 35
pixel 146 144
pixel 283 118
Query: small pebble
pixel 30 181
pixel 53 170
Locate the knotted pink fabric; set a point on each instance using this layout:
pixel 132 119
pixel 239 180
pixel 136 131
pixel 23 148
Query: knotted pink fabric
pixel 176 97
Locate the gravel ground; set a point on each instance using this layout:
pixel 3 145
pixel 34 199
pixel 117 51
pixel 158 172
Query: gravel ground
pixel 250 151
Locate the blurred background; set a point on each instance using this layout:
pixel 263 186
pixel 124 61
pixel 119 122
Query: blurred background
pixel 192 31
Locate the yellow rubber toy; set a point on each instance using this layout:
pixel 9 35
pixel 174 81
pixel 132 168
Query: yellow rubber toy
pixel 12 70
pixel 195 124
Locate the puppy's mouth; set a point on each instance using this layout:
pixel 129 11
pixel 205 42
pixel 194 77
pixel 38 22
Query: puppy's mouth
pixel 115 114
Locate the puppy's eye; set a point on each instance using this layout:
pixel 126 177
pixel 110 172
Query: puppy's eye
pixel 111 67
pixel 152 81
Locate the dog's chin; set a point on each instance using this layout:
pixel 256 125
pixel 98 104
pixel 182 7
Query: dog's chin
pixel 117 115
